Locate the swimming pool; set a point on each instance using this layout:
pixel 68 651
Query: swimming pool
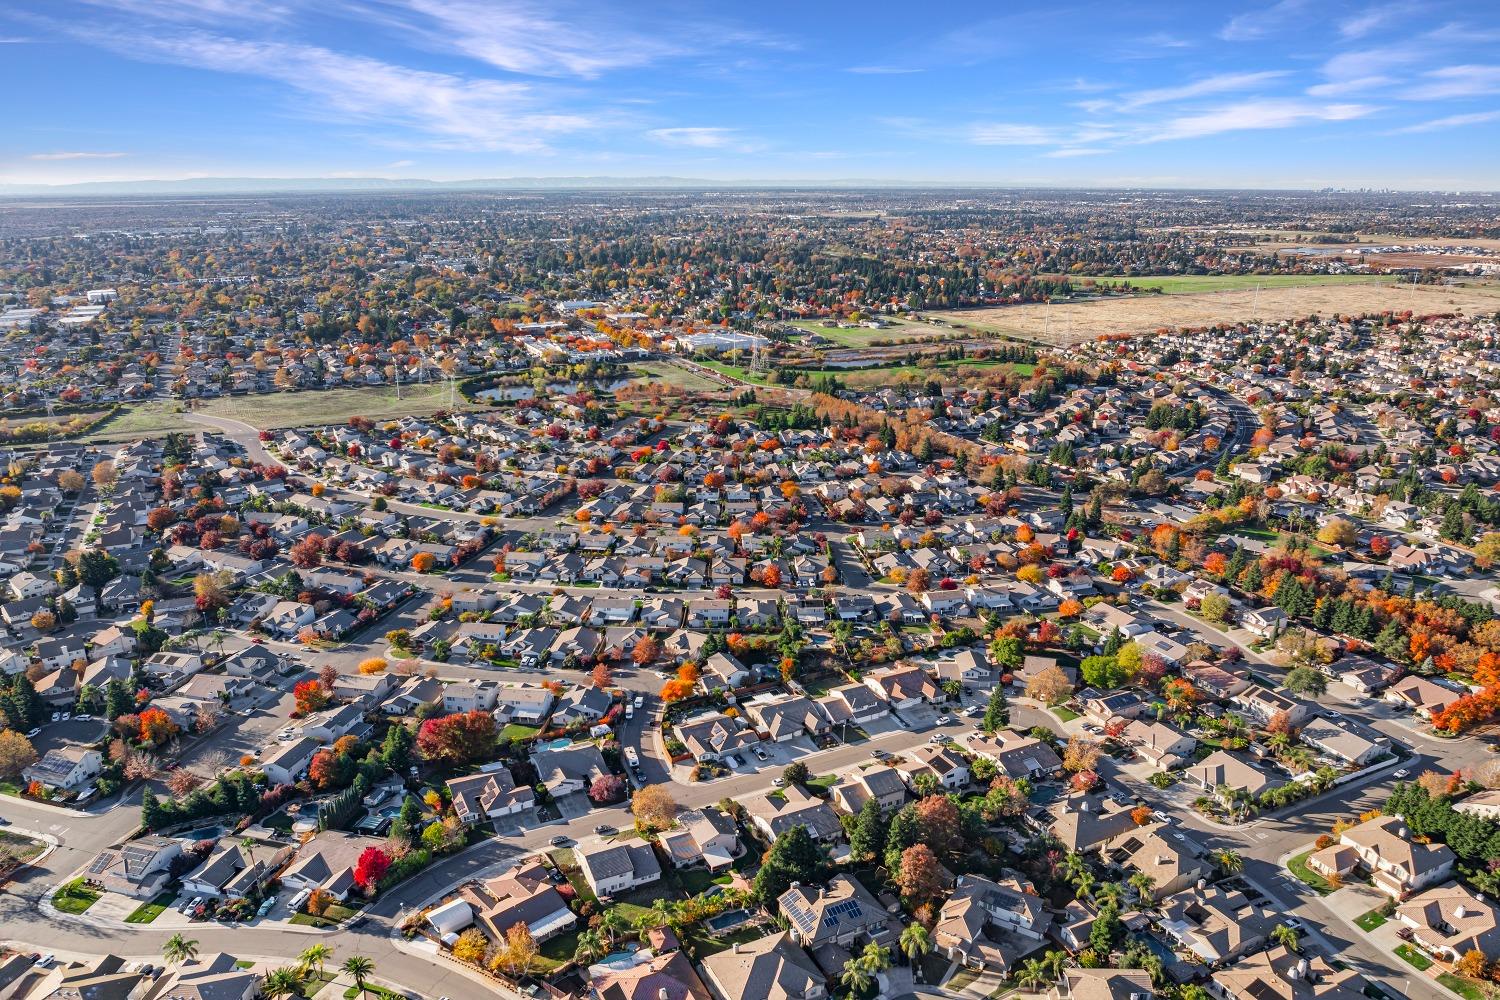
pixel 728 920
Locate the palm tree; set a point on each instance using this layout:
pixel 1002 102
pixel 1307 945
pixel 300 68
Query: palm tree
pixel 1153 965
pixel 612 923
pixel 179 949
pixel 1034 973
pixel 915 942
pixel 360 968
pixel 1109 892
pixel 1055 961
pixel 1085 883
pixel 1324 777
pixel 876 957
pixel 855 976
pixel 1142 884
pixel 282 982
pixel 1229 861
pixel 314 956
pixel 590 946
pixel 1076 865
pixel 1284 936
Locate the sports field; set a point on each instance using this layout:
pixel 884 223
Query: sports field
pixel 859 336
pixel 158 417
pixel 1071 322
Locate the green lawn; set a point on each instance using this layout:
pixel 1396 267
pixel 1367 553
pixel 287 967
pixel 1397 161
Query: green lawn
pixel 1370 921
pixel 147 912
pixel 332 917
pixel 1064 713
pixel 21 848
pixel 74 898
pixel 822 783
pixel 661 371
pixel 1181 284
pixel 557 952
pixel 1465 988
pixel 706 942
pixel 515 732
pixel 371 990
pixel 315 982
pixel 696 880
pixel 1414 958
pixel 1298 866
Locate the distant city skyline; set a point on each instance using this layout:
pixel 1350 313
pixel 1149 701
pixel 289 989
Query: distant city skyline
pixel 1402 94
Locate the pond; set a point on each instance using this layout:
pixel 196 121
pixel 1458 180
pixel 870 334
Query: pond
pixel 729 920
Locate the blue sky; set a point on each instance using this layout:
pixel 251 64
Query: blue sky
pixel 1271 93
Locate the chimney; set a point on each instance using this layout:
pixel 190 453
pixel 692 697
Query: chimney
pixel 1460 912
pixel 1202 884
pixel 1401 832
pixel 1301 968
pixel 662 994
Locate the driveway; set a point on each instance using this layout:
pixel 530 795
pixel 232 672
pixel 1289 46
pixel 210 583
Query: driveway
pixel 59 734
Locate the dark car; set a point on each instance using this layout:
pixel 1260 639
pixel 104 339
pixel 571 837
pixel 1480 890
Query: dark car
pixel 604 829
pixel 558 840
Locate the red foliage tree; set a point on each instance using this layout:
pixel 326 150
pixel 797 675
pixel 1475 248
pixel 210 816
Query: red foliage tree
pixel 371 867
pixel 311 696
pixel 459 738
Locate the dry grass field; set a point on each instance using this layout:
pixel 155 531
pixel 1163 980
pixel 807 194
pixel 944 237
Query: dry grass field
pixel 1071 323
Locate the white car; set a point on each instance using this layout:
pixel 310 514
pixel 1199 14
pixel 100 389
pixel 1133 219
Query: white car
pixel 1402 773
pixel 56 716
pixel 640 701
pixel 778 782
pixel 943 720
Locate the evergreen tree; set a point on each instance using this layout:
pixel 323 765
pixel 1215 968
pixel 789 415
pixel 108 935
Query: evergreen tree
pixel 904 831
pixel 1392 641
pixel 26 703
pixel 116 699
pixel 867 841
pixel 997 713
pixel 153 816
pixel 396 752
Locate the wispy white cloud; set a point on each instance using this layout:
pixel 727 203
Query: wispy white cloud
pixel 13 40
pixel 1257 24
pixel 398 164
pixel 1012 134
pixel 1456 81
pixel 1071 151
pixel 1350 87
pixel 454 112
pixel 211 12
pixel 1361 24
pixel 1222 83
pixel 1452 121
pixel 1252 115
pixel 699 137
pixel 76 155
pixel 882 70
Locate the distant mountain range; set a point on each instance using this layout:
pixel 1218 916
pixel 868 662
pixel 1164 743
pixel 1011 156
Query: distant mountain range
pixel 266 185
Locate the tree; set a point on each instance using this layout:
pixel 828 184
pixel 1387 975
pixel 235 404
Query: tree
pixel 1103 672
pixel 157 727
pixel 371 867
pixel 653 807
pixel 1306 681
pixel 607 788
pixel 471 946
pixel 1472 964
pixel 1034 974
pixel 939 824
pixel 373 665
pixel 16 754
pixel 600 677
pixel 520 949
pixel 314 957
pixel 179 949
pixel 920 877
pixel 95 569
pixel 794 857
pixel 1008 651
pixel 794 773
pixel 423 562
pixel 1229 861
pixel 43 620
pixel 647 650
pixel 104 474
pixel 1338 531
pixel 359 968
pixel 1215 607
pixel 867 840
pixel 282 982
pixel 916 941
pixel 997 712
pixel 1081 754
pixel 1050 685
pixel 856 976
pixel 460 738
pixel 1285 936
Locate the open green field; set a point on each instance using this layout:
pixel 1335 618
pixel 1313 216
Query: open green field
pixel 1179 284
pixel 660 371
pixel 158 417
pixel 859 336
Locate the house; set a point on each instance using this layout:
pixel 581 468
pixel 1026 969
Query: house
pixel 967 666
pixel 854 703
pixel 770 968
pixel 722 670
pixel 667 975
pixel 1264 622
pixel 1160 744
pixel 103 978
pixel 785 717
pixel 947 766
pixel 710 737
pixel 588 704
pixel 903 687
pixel 65 768
pixel 1223 769
pixel 1259 705
pixel 1422 696
pixel 705 837
pixel 489 795
pixel 521 894
pixel 1281 974
pixel 1484 803
pixel 1104 984
pixel 522 703
pixel 568 770
pixel 1081 822
pixel 213 977
pixel 966 927
pixel 470 696
pixel 883 784
pixel 333 723
pixel 614 868
pixel 774 814
pixel 1345 739
pixel 288 763
pixel 1215 682
pixel 231 871
pixel 1450 920
pixel 1215 924
pixel 1168 856
pixel 1397 865
pixel 140 868
pixel 841 916
pixel 1018 755
pixel 327 862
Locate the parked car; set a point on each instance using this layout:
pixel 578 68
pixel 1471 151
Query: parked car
pixel 880 754
pixel 779 782
pixel 559 840
pixel 640 701
pixel 943 720
pixel 1402 773
pixel 604 829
